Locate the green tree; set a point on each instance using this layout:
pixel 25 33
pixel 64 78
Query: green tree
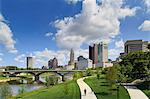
pixel 77 75
pixel 22 90
pixel 5 91
pixel 135 65
pixel 88 72
pixel 148 46
pixel 112 76
pixel 47 81
pixel 98 73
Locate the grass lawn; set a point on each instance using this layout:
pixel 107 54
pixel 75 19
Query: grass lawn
pixel 54 92
pixel 145 87
pixel 102 90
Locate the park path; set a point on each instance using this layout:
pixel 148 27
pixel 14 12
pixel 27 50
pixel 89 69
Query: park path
pixel 135 93
pixel 89 93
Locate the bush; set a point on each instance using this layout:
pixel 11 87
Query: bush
pixel 5 91
pixel 51 80
pixel 88 72
pixel 22 90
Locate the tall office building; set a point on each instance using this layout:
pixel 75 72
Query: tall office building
pixel 50 63
pixel 135 45
pixel 71 62
pixel 53 63
pixel 98 53
pixel 93 53
pixel 29 62
pixel 102 53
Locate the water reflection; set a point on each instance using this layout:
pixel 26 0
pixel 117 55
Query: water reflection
pixel 28 88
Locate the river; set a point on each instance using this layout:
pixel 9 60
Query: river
pixel 28 85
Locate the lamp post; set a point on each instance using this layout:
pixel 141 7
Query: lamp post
pixel 117 89
pixel 118 92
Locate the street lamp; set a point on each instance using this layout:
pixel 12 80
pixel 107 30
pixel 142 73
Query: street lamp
pixel 118 92
pixel 117 88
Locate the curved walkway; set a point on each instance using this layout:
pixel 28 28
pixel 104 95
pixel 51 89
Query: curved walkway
pixel 89 93
pixel 135 93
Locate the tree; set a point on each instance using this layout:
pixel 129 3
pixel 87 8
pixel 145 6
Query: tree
pixel 135 65
pixel 51 80
pixel 98 73
pixel 148 46
pixel 112 76
pixel 77 75
pixel 88 72
pixel 47 81
pixel 22 90
pixel 5 91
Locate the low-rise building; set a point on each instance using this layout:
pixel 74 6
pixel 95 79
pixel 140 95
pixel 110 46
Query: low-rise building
pixel 136 45
pixel 83 63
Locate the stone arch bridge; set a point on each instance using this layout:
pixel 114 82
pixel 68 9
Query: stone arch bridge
pixel 37 73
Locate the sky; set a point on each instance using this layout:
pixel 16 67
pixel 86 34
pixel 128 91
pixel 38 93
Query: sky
pixel 45 29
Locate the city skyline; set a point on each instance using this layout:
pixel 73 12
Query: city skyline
pixel 48 29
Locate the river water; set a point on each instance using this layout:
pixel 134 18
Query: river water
pixel 23 83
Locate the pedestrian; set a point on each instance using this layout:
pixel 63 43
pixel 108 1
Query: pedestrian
pixel 85 92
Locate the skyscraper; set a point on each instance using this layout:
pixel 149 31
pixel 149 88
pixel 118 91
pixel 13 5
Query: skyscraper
pixel 53 63
pixel 50 63
pixel 29 62
pixel 71 62
pixel 102 53
pixel 93 53
pixel 98 53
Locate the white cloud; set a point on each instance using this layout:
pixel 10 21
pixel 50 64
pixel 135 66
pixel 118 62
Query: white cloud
pixel 1 59
pixel 147 4
pixel 20 58
pixel 1 54
pixel 95 23
pixel 6 36
pixel 115 52
pixel 48 34
pixel 145 26
pixel 119 44
pixel 41 57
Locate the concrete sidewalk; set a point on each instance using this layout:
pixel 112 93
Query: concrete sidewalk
pixel 82 85
pixel 135 93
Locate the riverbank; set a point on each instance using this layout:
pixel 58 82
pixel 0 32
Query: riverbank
pixel 3 80
pixel 66 90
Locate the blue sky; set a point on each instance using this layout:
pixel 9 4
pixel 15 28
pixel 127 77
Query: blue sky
pixel 30 21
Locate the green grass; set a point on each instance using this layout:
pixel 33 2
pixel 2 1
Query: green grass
pixel 145 87
pixel 54 92
pixel 3 78
pixel 103 91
